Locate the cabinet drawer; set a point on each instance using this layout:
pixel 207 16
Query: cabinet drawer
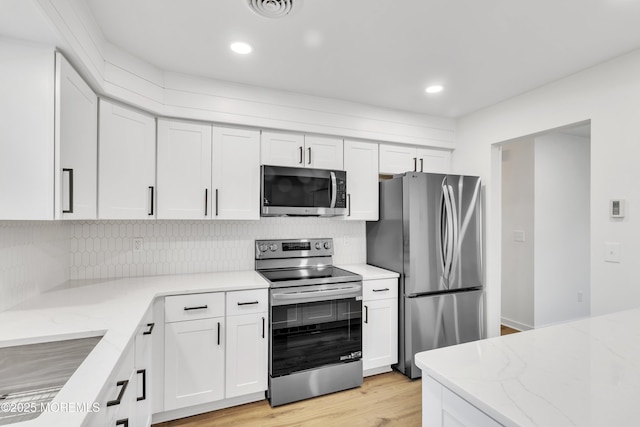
pixel 380 289
pixel 247 302
pixel 193 306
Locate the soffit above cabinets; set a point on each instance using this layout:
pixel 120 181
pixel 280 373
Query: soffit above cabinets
pixel 379 53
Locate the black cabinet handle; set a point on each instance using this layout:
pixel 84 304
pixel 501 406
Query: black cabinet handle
pixel 144 384
pixel 206 201
pixel 263 328
pixel 380 290
pixel 218 333
pixel 301 154
pixel 249 303
pixel 349 203
pixel 216 202
pixel 366 314
pixel 421 165
pixel 124 385
pixel 200 307
pixel 148 331
pixel 70 172
pixel 123 423
pixel 152 191
pixel 309 159
pixel 415 164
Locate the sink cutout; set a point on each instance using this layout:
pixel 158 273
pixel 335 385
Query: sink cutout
pixel 31 375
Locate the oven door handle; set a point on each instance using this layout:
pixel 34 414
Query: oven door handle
pixel 354 291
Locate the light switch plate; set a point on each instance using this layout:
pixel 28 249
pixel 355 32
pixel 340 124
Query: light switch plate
pixel 612 252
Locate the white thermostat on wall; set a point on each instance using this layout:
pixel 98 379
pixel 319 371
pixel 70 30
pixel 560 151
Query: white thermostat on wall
pixel 616 208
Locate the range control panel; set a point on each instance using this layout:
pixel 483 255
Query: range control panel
pixel 293 248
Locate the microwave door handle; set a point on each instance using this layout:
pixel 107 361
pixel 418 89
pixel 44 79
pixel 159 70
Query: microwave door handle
pixel 333 190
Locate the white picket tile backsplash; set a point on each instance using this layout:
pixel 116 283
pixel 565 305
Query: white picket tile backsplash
pixel 38 255
pixel 104 249
pixel 33 259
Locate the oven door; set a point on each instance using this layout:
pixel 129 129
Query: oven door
pixel 302 191
pixel 315 326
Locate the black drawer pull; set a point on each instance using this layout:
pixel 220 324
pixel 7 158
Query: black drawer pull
pixel 124 385
pixel 70 209
pixel 123 423
pixel 200 307
pixel 148 331
pixel 144 384
pixel 249 303
pixel 380 290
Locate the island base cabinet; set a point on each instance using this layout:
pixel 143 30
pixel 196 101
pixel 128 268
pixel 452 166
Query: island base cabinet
pixel 194 362
pixel 442 407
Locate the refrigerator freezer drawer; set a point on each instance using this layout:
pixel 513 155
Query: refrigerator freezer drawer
pixel 440 321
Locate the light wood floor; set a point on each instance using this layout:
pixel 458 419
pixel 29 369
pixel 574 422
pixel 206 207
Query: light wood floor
pixel 389 399
pixel 505 330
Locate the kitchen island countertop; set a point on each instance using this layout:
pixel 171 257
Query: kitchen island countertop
pixel 583 373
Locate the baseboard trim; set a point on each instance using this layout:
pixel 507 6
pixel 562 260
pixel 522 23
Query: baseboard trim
pixel 515 325
pixel 206 407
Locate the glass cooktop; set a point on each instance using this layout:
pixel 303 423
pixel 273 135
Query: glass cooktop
pixel 280 277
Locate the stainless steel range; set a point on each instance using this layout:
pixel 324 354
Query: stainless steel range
pixel 315 332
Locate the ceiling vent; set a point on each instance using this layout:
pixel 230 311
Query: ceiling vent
pixel 274 8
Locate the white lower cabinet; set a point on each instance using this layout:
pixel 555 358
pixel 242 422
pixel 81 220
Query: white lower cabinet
pixel 143 371
pixel 380 327
pixel 194 362
pixel 247 342
pixel 215 347
pixel 443 408
pixel 117 402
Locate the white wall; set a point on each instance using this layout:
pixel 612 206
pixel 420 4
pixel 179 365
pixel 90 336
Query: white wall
pixel 561 228
pixel 518 183
pixel 608 95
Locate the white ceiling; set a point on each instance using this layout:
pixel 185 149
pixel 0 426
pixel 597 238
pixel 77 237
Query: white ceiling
pixel 380 52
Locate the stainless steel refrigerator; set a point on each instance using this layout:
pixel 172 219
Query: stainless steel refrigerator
pixel 430 232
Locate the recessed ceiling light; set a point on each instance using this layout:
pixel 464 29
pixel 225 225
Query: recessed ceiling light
pixel 241 48
pixel 434 89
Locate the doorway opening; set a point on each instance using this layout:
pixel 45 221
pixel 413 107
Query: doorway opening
pixel 545 227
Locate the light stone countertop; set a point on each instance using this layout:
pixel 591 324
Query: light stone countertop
pixel 111 307
pixel 583 373
pixel 369 272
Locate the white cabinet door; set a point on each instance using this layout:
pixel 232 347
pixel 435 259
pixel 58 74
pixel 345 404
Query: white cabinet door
pixel 76 141
pixel 246 354
pixel 194 362
pixel 143 371
pixel 119 395
pixel 323 152
pixel 127 160
pixel 26 132
pixel 184 170
pixel 397 159
pixel 361 164
pixel 435 161
pixel 282 149
pixel 380 333
pixel 236 173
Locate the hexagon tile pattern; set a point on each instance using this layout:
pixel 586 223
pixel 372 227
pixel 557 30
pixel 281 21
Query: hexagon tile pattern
pixel 104 249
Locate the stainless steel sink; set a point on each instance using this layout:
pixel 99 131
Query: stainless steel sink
pixel 31 375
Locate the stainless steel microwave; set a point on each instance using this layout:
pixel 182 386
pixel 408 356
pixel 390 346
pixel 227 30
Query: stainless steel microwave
pixel 303 192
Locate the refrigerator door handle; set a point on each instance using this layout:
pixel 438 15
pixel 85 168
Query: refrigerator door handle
pixel 455 243
pixel 448 234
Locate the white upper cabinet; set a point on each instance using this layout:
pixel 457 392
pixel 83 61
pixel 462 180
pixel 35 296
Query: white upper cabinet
pixel 236 173
pixel 184 170
pixel 76 142
pixel 127 148
pixel 26 132
pixel 398 159
pixel 323 152
pixel 282 149
pixel 361 164
pixel 436 161
pixel 297 150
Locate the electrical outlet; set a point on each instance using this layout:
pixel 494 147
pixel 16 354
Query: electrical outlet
pixel 138 244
